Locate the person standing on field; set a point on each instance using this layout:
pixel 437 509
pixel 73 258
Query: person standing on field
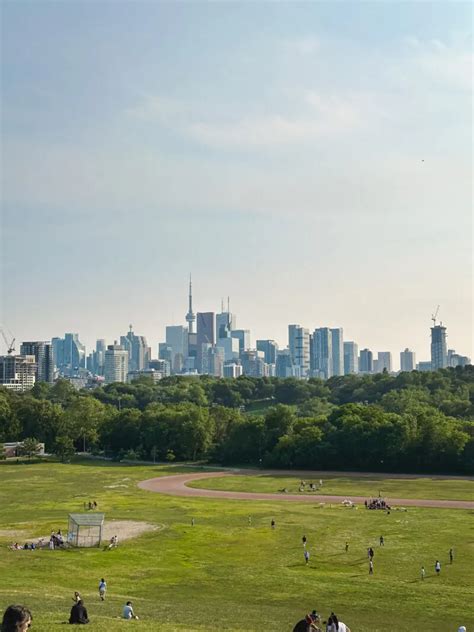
pixel 306 556
pixel 423 573
pixel 102 589
pixel 451 556
pixel 437 567
pixel 381 541
pixel 371 568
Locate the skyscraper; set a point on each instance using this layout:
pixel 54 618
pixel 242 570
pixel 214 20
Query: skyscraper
pixel 137 347
pixel 225 323
pixel 439 351
pixel 322 361
pixel 298 344
pixel 407 360
pixel 351 358
pixel 116 364
pixel 366 361
pixel 190 316
pixel 384 362
pixel 177 339
pixel 337 351
pixel 243 336
pixel 43 352
pixel 205 336
pixel 69 354
pixel 269 348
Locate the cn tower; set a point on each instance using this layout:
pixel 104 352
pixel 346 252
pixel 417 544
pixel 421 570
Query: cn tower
pixel 190 316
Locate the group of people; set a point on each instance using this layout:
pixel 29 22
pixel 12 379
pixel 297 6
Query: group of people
pixel 312 486
pixel 56 540
pixel 91 505
pixel 377 503
pixel 79 612
pixel 312 623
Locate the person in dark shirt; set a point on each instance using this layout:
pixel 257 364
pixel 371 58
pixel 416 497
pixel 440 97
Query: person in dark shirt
pixel 79 613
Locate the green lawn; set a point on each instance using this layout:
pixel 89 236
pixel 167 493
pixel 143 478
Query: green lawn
pixel 438 489
pixel 223 574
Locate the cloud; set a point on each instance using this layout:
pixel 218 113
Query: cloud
pixel 445 66
pixel 303 45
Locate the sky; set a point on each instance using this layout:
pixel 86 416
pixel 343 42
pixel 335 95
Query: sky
pixel 313 161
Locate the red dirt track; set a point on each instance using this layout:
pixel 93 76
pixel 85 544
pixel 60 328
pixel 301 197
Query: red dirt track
pixel 177 486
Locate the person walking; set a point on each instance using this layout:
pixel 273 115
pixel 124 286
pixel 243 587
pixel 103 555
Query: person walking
pixel 347 547
pixel 423 573
pixel 381 541
pixel 273 524
pixel 306 556
pixel 451 556
pixel 437 567
pixel 102 589
pixel 371 553
pixel 303 539
pixel 371 568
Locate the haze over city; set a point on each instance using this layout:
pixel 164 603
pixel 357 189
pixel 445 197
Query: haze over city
pixel 311 161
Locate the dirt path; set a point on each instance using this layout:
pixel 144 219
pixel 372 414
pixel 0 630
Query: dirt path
pixel 177 486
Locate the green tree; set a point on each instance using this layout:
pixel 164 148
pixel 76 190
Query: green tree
pixel 30 447
pixel 64 448
pixel 84 417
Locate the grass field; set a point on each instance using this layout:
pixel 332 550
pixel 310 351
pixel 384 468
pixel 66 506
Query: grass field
pixel 223 574
pixel 439 489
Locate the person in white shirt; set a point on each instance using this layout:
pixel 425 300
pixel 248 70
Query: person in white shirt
pixel 128 611
pixel 102 589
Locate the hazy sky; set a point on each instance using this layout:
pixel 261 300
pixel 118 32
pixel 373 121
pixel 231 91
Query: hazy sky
pixel 311 160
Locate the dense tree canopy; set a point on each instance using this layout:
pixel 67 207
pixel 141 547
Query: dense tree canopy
pixel 411 422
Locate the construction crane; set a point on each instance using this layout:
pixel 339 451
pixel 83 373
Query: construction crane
pixel 433 316
pixel 10 345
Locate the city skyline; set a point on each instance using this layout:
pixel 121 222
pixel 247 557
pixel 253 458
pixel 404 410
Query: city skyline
pixel 122 338
pixel 313 161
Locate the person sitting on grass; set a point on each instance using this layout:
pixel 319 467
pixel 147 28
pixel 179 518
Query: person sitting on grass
pixel 79 613
pixel 16 619
pixel 128 611
pixel 308 624
pixel 334 625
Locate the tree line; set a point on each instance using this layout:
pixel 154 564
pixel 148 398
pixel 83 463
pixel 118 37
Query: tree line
pixel 420 422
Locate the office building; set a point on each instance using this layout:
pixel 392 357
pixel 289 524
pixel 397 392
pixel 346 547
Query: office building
pixel 116 364
pixel 243 336
pixel 225 323
pixel 177 340
pixel 17 372
pixel 156 376
pixel 69 354
pixel 269 348
pixel 424 366
pixel 384 362
pixel 160 366
pixel 351 358
pixel 253 363
pixel 337 344
pixel 205 336
pixel 322 361
pixel 298 344
pixel 215 361
pixel 232 370
pixel 43 353
pixel 366 361
pixel 407 360
pixel 284 364
pixel 439 352
pixel 455 359
pixel 138 353
pixel 230 347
